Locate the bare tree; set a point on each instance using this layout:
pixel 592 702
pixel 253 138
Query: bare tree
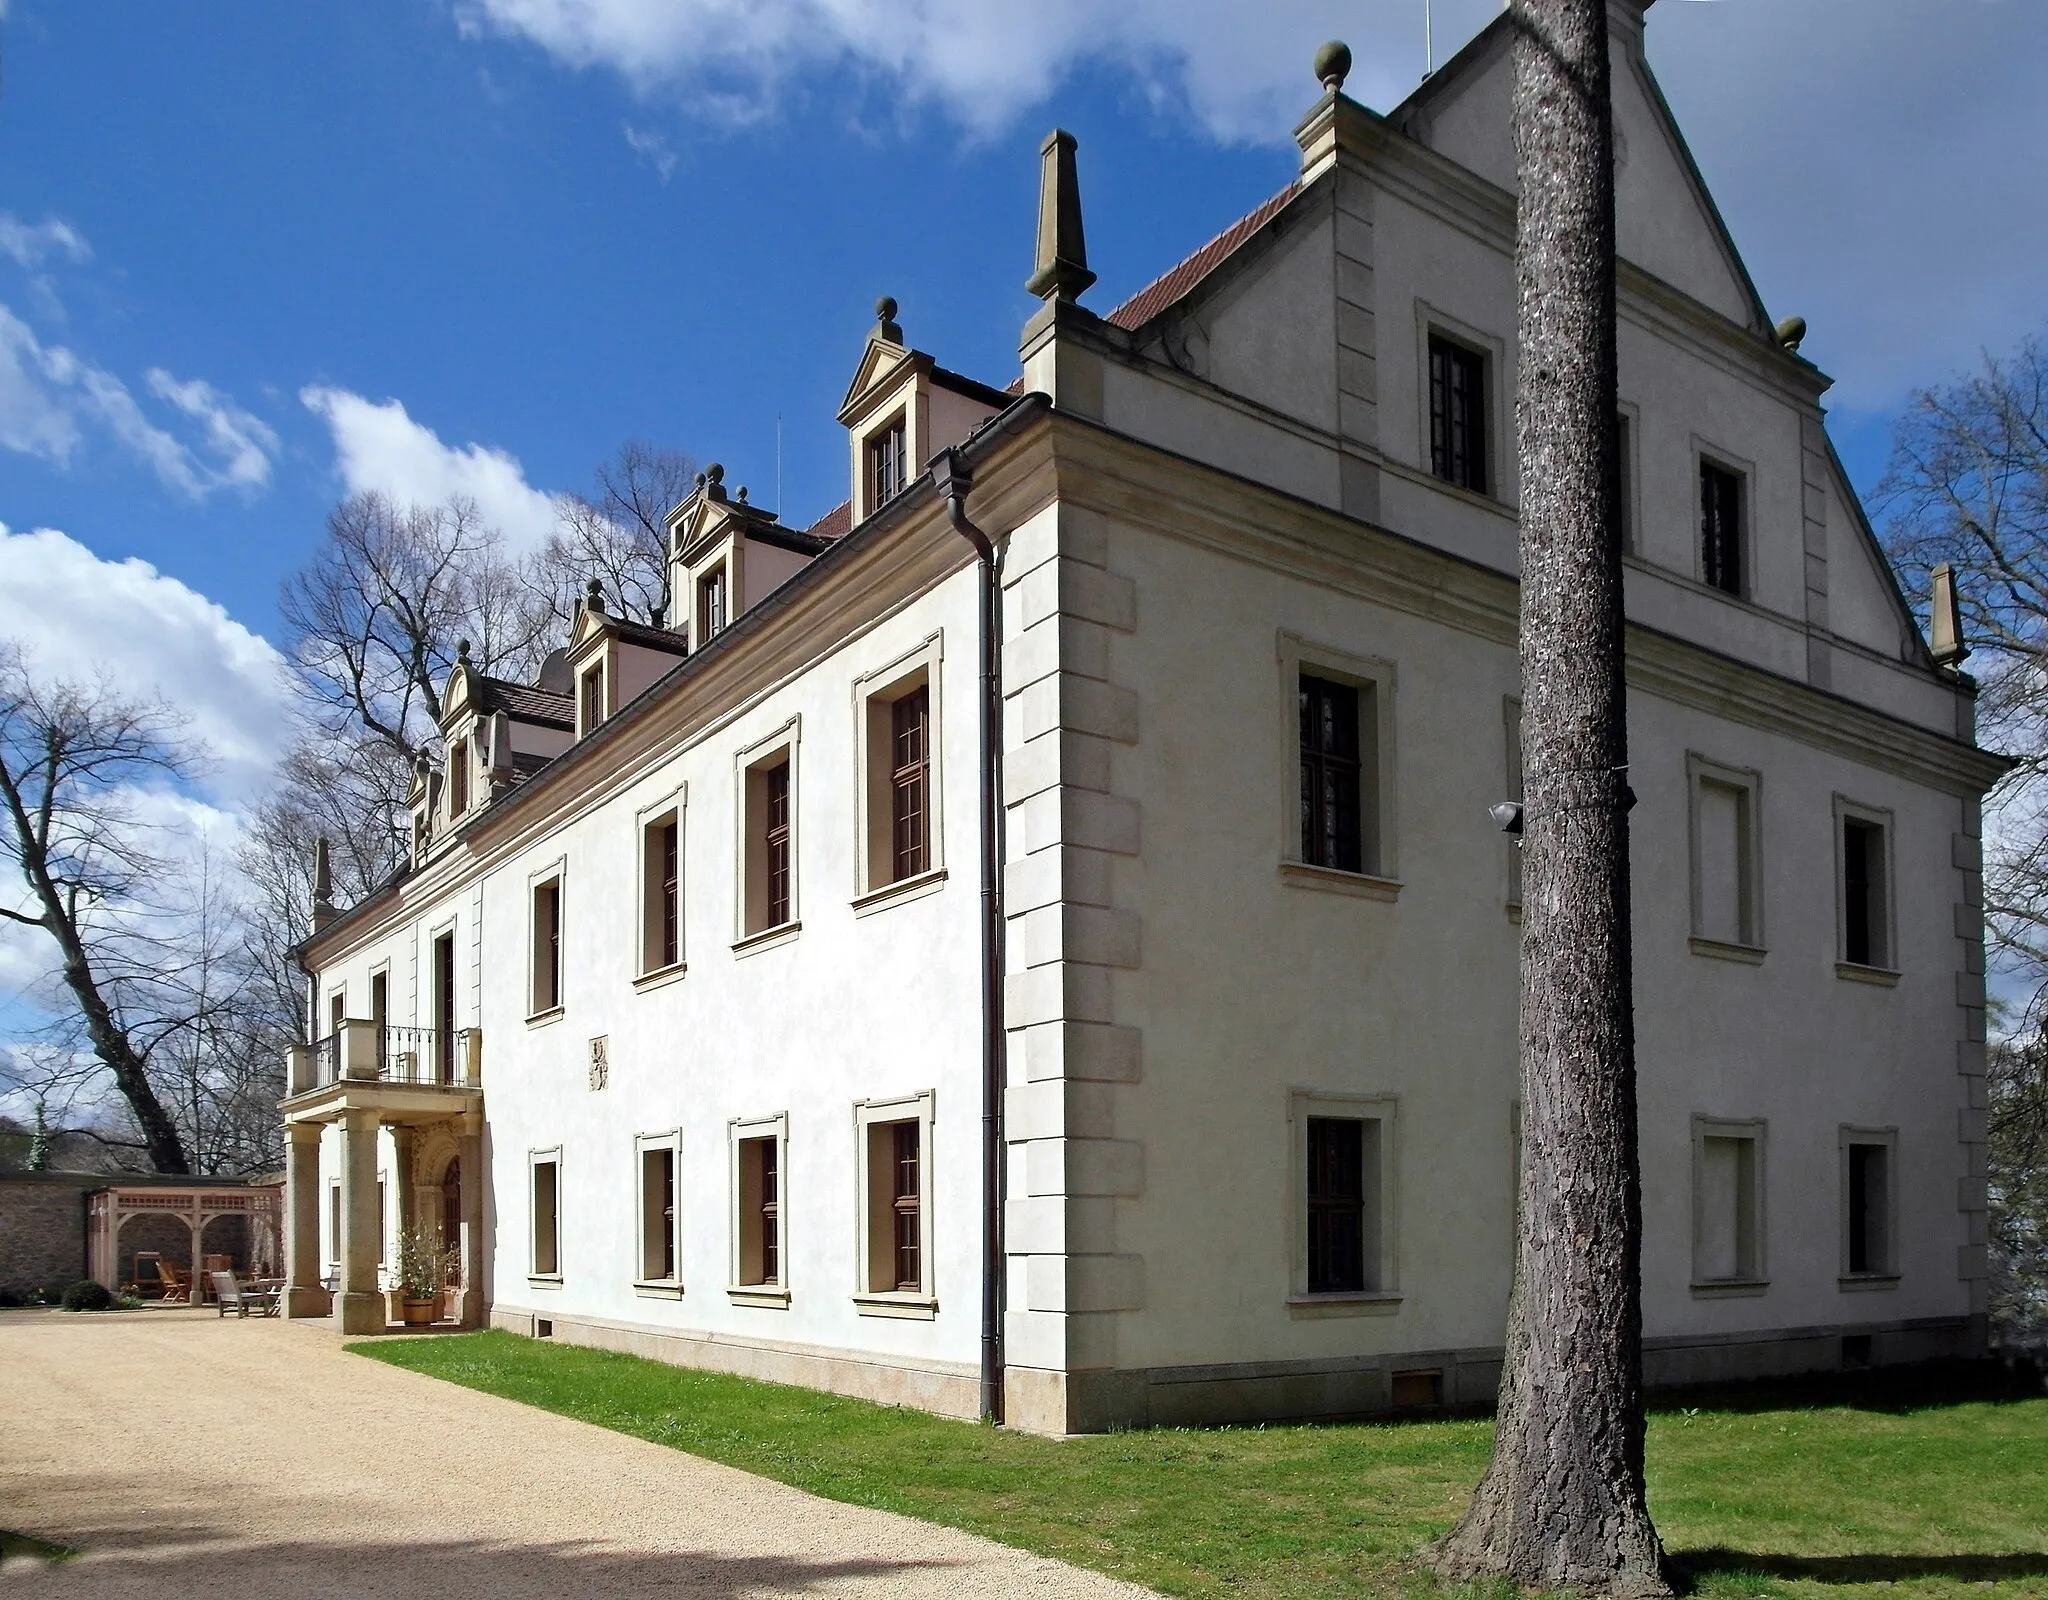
pixel 1562 1504
pixel 618 535
pixel 70 756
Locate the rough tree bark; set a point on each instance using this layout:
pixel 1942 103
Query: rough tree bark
pixel 1562 1504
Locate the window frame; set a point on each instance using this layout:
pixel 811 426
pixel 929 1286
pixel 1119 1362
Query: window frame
pixel 1628 419
pixel 547 1156
pixel 1846 811
pixel 670 809
pixel 894 424
pixel 556 873
pixel 1382 1294
pixel 598 672
pixel 713 578
pixel 1478 411
pixel 457 787
pixel 1747 782
pixel 1378 807
pixel 1498 382
pixel 1757 1280
pixel 869 1117
pixel 751 929
pixel 874 695
pixel 740 1132
pixel 670 1141
pixel 1706 454
pixel 1887 1276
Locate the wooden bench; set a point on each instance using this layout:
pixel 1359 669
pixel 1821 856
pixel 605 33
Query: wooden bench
pixel 232 1296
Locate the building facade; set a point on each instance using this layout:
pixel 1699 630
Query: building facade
pixel 676 1019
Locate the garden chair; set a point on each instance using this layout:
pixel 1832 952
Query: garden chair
pixel 177 1287
pixel 231 1295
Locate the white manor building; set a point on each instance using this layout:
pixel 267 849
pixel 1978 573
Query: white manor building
pixel 677 1019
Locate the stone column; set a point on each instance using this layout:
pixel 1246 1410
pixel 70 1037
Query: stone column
pixel 470 1145
pixel 307 1295
pixel 362 1302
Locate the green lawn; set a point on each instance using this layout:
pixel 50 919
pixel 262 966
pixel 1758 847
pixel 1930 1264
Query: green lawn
pixel 1875 1485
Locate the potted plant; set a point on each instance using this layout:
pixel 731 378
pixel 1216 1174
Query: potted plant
pixel 424 1269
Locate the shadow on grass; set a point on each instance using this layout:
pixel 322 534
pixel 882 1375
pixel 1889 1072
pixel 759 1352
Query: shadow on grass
pixel 1693 1565
pixel 1884 1389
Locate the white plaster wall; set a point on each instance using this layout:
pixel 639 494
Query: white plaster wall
pixel 1250 987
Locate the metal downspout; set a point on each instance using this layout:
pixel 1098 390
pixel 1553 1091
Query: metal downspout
pixel 953 478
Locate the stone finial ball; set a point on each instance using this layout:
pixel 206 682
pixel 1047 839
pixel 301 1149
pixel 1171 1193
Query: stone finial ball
pixel 1791 332
pixel 715 473
pixel 1333 64
pixel 885 308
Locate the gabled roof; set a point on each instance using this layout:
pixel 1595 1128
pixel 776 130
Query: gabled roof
pixel 521 702
pixel 834 524
pixel 1177 282
pixel 648 636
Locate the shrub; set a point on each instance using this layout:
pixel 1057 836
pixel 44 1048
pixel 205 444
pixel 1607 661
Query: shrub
pixel 86 1295
pixel 10 1298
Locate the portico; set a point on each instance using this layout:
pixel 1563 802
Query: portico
pixel 425 1087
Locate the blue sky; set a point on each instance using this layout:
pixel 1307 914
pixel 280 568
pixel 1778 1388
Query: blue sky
pixel 236 239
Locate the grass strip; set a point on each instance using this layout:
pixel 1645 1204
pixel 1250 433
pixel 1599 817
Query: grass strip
pixel 1798 1492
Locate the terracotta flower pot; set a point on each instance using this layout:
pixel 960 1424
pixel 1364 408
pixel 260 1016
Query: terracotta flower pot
pixel 417 1313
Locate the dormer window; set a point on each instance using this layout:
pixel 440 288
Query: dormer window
pixel 887 459
pixel 712 604
pixel 592 692
pixel 458 777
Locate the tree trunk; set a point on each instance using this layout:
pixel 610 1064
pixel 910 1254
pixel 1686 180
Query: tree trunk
pixel 111 1044
pixel 1562 1504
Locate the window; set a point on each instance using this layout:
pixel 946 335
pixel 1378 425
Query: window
pixel 1721 528
pixel 1457 414
pixel 896 727
pixel 1332 830
pixel 337 1010
pixel 1727 883
pixel 658 1209
pixel 444 1006
pixel 547 1214
pixel 761 1233
pixel 547 947
pixel 383 1222
pixel 712 606
pixel 592 697
pixel 1863 866
pixel 1342 1195
pixel 887 462
pixel 334 1225
pixel 458 777
pixel 1337 1166
pixel 1728 1205
pixel 661 916
pixel 895 1242
pixel 1625 479
pixel 908 814
pixel 1869 1214
pixel 769 849
pixel 380 1016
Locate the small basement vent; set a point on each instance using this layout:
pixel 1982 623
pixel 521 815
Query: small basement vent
pixel 1855 1351
pixel 1417 1389
pixel 543 1328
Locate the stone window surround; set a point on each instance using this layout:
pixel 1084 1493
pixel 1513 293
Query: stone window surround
pixel 1384 1109
pixel 1757 1130
pixel 877 690
pixel 1706 453
pixel 535 1160
pixel 1431 321
pixel 867 1301
pixel 670 1139
pixel 774 1296
pixel 676 803
pixel 784 741
pixel 906 399
pixel 1296 656
pixel 537 878
pixel 1700 770
pixel 603 660
pixel 1631 478
pixel 425 996
pixel 1848 810
pixel 1886 1277
pixel 723 554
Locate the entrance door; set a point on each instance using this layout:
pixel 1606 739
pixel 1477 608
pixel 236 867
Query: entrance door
pixel 444 1008
pixel 451 1211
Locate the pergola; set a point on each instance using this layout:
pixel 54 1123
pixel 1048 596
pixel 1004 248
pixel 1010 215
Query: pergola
pixel 109 1209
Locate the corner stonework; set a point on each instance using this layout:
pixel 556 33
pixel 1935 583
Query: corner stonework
pixel 1067 938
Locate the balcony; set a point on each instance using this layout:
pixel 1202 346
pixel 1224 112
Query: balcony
pixel 406 1075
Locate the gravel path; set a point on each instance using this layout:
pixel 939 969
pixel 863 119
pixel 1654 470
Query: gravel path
pixel 187 1455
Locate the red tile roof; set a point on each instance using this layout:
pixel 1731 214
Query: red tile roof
pixel 834 524
pixel 1174 285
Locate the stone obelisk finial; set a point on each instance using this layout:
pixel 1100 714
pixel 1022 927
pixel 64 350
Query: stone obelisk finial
pixel 323 885
pixel 1945 620
pixel 1062 249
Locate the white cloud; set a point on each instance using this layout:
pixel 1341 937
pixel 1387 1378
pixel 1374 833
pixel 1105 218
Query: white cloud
pixel 50 396
pixel 380 449
pixel 30 244
pixel 648 144
pixel 77 616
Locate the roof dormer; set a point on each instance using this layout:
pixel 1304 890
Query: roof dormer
pixel 611 660
pixel 725 554
pixel 901 409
